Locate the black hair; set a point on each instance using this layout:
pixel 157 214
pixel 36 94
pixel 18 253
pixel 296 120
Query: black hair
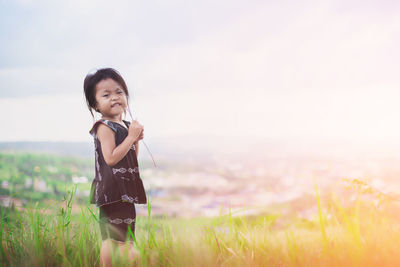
pixel 92 79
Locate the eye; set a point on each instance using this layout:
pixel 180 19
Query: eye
pixel 120 92
pixel 105 95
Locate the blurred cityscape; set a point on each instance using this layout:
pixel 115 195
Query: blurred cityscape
pixel 189 184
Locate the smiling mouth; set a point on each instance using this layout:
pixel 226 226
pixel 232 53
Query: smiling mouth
pixel 116 105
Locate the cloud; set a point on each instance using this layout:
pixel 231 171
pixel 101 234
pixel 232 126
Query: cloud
pixel 44 118
pixel 202 46
pixel 210 67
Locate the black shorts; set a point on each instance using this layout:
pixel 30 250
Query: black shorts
pixel 115 220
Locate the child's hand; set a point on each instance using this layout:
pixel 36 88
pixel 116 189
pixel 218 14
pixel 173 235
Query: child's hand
pixel 141 136
pixel 135 130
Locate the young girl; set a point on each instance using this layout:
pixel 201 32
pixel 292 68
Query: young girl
pixel 117 185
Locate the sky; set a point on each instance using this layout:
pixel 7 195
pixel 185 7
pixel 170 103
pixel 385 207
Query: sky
pixel 248 69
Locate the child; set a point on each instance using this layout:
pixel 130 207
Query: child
pixel 117 184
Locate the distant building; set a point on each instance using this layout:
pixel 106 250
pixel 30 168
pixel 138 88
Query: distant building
pixel 79 180
pixel 6 201
pixel 4 184
pixel 28 182
pixel 52 169
pixel 40 185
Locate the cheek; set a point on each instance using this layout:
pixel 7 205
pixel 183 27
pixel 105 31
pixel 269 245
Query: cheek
pixel 96 100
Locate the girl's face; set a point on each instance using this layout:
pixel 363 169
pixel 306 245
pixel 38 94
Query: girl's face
pixel 111 100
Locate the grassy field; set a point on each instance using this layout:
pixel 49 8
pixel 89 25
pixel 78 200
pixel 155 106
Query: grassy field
pixel 364 232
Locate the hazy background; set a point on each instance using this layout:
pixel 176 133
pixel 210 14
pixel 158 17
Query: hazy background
pixel 201 72
pixel 244 103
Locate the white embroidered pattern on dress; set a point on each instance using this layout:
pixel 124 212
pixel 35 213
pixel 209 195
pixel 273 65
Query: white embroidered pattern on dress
pixel 115 221
pixel 136 169
pixel 97 164
pixel 119 221
pixel 97 193
pixel 129 220
pixel 129 199
pixel 121 170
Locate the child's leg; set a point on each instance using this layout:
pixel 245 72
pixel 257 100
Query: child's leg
pixel 127 252
pixel 120 251
pixel 105 253
pixel 115 219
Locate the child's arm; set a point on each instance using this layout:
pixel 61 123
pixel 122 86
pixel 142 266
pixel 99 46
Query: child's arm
pixel 112 153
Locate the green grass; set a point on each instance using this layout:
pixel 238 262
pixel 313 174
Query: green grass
pixel 354 234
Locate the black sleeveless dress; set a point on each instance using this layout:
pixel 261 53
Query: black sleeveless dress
pixel 120 182
pixel 116 189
